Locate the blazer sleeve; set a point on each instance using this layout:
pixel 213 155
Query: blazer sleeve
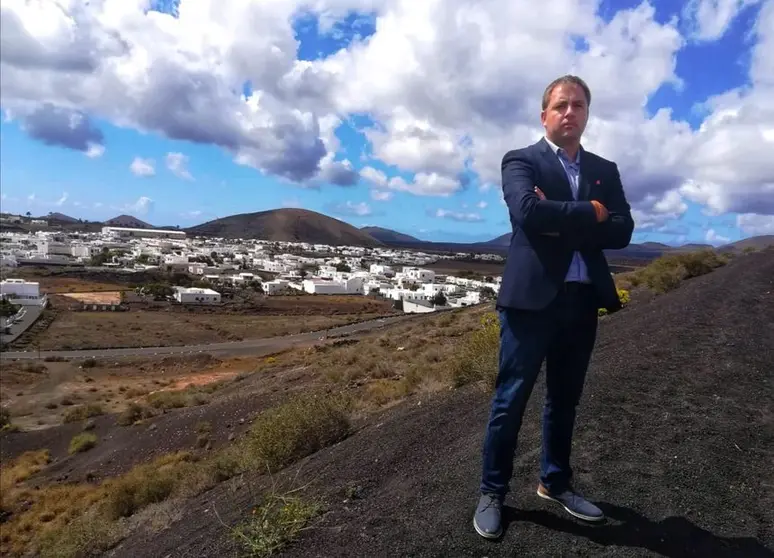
pixel 615 232
pixel 528 210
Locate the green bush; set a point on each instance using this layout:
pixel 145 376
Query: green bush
pixel 665 274
pixel 478 357
pixel 296 429
pixel 82 442
pixel 83 412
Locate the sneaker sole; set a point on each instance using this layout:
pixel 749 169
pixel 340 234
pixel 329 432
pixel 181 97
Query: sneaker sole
pixel 485 534
pixel 571 512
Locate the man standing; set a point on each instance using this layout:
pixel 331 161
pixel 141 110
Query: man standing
pixel 566 206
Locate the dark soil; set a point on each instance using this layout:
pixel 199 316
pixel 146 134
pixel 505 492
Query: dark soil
pixel 675 441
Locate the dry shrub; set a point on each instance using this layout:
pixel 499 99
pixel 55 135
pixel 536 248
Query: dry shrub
pixel 296 429
pixel 477 358
pixel 82 412
pixel 89 535
pixel 20 469
pixel 191 397
pixel 667 272
pixel 151 483
pixel 133 413
pixel 38 512
pixel 82 442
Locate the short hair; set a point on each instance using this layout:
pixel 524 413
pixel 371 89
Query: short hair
pixel 575 80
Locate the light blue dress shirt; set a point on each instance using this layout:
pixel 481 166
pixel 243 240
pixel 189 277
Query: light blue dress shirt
pixel 577 271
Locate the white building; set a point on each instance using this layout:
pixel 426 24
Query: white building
pixel 419 275
pixel 51 248
pixel 273 287
pixel 126 232
pixel 417 307
pixel 19 291
pixel 196 296
pixel 379 269
pixel 84 250
pixel 321 286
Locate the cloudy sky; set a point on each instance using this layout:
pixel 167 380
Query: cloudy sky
pixel 388 112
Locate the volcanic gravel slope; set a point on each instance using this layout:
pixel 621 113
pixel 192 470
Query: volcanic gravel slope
pixel 675 440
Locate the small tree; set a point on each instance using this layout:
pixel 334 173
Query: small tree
pixel 439 299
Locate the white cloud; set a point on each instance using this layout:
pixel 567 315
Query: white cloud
pixel 142 206
pixel 95 151
pixel 755 225
pixel 60 202
pixel 142 167
pixel 458 216
pixel 424 184
pixel 482 204
pixel 374 176
pixel 432 78
pixel 178 164
pixel 381 195
pixel 710 19
pixel 714 238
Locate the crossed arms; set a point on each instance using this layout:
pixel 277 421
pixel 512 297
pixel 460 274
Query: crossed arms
pixel 575 222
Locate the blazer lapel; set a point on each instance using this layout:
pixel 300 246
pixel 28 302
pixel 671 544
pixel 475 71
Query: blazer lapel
pixel 557 170
pixel 584 186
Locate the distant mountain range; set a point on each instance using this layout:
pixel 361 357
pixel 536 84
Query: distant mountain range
pixel 301 225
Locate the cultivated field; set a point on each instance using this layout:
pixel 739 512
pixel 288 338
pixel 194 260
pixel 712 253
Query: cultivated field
pixel 364 445
pixel 152 324
pixel 95 330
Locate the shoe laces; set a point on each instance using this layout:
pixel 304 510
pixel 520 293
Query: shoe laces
pixel 492 502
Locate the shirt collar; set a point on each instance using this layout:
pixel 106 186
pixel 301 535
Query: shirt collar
pixel 556 149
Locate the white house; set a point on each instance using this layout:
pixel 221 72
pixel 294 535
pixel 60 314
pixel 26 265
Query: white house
pixel 379 269
pixel 196 296
pixel 417 307
pixel 419 275
pixel 355 285
pixel 19 291
pixel 321 286
pixel 275 286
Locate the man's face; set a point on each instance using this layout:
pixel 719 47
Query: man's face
pixel 566 115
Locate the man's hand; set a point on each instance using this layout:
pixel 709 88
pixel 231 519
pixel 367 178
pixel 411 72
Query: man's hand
pixel 601 211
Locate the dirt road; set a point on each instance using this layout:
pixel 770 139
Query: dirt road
pixel 231 348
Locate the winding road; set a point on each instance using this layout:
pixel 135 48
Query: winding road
pixel 230 348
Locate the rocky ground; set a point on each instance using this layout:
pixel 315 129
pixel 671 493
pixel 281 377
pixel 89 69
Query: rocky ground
pixel 675 441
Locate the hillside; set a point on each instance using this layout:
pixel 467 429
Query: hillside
pixel 59 218
pixel 674 420
pixel 388 236
pixel 128 221
pixel 756 242
pixel 289 225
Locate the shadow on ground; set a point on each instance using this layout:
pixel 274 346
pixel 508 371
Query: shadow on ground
pixel 673 537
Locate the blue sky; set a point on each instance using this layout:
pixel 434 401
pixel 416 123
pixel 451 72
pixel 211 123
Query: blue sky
pixel 41 178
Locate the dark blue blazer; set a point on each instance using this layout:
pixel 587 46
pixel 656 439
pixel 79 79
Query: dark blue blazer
pixel 547 232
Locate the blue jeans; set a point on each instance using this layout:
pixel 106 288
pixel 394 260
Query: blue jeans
pixel 563 334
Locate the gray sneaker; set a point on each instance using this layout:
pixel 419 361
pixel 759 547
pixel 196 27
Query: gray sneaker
pixel 573 503
pixel 488 516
